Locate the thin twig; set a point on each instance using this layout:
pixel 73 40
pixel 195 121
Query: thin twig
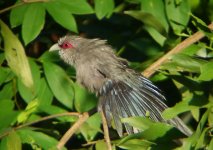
pixel 72 130
pixel 20 4
pixel 177 49
pixel 90 143
pixel 106 131
pixel 40 120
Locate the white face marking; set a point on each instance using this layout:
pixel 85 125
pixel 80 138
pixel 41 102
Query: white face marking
pixel 61 40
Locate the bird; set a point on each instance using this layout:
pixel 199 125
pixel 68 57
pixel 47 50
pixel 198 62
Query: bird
pixel 122 91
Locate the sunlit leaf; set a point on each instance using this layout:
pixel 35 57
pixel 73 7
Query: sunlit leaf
pixel 196 113
pixel 31 108
pixel 136 144
pixel 13 141
pixel 101 145
pixel 26 93
pixel 141 123
pixel 206 72
pixel 16 57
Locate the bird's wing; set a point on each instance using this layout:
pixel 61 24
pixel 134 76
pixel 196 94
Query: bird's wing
pixel 120 99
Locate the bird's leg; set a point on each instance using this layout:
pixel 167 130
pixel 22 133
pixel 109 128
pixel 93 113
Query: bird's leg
pixel 106 131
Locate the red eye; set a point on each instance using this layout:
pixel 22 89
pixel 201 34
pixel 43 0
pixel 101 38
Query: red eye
pixel 66 45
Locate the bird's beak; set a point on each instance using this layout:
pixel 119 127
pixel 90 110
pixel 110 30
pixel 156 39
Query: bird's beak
pixel 55 47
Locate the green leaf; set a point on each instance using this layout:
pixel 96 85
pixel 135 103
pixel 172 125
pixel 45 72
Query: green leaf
pixel 185 62
pixel 148 19
pixel 7 115
pixel 60 84
pixel 157 9
pixel 136 144
pixel 180 107
pixel 7 91
pixel 33 23
pixel 76 6
pixel 31 108
pixel 141 123
pixel 2 58
pixel 101 145
pixel 13 141
pixel 91 127
pixel 3 144
pixel 6 75
pixel 17 11
pixel 202 26
pixel 62 16
pixel 195 113
pixel 201 141
pixel 206 72
pixel 49 57
pixel 192 49
pixel 26 93
pixel 53 110
pixel 40 139
pixel 193 140
pixel 16 57
pixel 82 97
pixel 178 14
pixel 159 38
pixel 210 118
pixel 103 8
pixel 211 144
pixel 45 96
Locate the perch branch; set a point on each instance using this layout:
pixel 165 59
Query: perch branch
pixel 72 130
pixel 106 131
pixel 177 49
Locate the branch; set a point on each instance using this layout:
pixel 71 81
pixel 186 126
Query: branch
pixel 106 131
pixel 20 4
pixel 40 120
pixel 72 130
pixel 177 49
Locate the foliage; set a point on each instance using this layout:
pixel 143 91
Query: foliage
pixel 35 83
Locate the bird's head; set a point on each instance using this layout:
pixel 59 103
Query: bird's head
pixel 68 47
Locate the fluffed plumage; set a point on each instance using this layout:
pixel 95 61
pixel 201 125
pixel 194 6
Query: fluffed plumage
pixel 122 91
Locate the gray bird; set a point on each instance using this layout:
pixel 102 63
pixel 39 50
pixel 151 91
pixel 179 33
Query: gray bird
pixel 122 91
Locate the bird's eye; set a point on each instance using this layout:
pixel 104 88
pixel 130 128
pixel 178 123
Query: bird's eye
pixel 66 45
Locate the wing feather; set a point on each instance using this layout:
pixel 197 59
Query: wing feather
pixel 119 99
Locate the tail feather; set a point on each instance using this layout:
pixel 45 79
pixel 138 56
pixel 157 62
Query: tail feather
pixel 136 98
